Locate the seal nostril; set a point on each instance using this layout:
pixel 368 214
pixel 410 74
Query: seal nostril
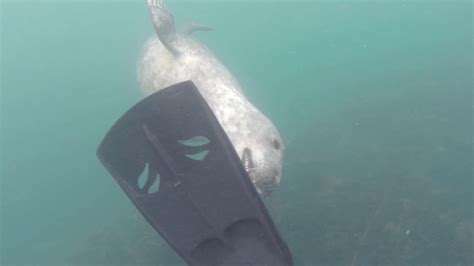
pixel 275 174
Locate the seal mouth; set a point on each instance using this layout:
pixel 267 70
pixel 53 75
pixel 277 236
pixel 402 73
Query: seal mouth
pixel 269 185
pixel 247 160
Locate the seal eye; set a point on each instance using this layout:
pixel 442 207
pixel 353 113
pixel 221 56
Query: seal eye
pixel 276 144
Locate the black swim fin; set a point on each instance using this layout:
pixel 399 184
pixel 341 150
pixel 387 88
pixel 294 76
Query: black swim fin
pixel 175 162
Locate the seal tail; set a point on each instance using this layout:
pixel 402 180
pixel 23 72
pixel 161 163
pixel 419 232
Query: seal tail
pixel 163 22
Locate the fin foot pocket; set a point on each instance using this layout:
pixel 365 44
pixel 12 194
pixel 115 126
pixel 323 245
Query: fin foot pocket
pixel 211 252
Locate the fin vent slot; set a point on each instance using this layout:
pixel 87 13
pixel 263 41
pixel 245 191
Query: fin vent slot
pixel 195 142
pixel 150 182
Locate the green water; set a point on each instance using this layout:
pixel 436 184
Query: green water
pixel 373 98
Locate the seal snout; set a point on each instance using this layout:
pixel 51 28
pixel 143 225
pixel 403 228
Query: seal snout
pixel 266 181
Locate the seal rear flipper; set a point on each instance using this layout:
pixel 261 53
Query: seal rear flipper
pixel 174 161
pixel 192 27
pixel 163 22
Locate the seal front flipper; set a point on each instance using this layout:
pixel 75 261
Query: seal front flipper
pixel 205 205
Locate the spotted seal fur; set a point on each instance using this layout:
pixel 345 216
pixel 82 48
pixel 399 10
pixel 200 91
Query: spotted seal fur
pixel 170 57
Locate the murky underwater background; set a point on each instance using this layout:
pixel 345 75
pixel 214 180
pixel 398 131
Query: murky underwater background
pixel 373 98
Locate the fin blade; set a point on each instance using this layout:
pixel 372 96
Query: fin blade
pixel 207 209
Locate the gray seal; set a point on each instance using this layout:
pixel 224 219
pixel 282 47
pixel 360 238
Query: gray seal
pixel 171 57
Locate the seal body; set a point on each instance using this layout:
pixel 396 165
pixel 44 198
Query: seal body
pixel 252 134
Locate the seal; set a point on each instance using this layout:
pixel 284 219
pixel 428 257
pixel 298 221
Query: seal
pixel 171 57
